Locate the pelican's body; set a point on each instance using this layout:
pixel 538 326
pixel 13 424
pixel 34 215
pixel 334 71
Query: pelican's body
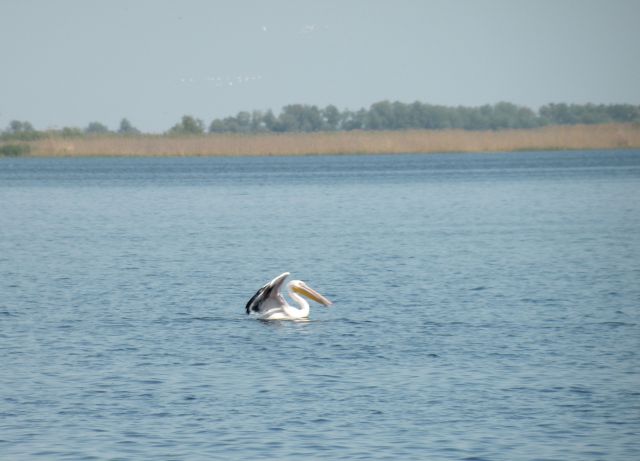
pixel 269 303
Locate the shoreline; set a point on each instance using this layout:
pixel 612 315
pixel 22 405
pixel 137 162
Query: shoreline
pixel 549 138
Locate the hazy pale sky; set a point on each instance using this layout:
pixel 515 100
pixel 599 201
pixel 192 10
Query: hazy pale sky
pixel 71 62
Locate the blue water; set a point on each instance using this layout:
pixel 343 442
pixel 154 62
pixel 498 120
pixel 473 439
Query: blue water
pixel 486 307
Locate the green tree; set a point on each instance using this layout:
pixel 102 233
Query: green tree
pixel 270 121
pixel 71 132
pixel 127 128
pixel 257 122
pixel 380 116
pixel 332 117
pixel 188 125
pixel 20 131
pixel 558 114
pixel 623 112
pixel 217 126
pixel 96 128
pixel 299 117
pixel 354 120
pixel 244 121
pixel 16 126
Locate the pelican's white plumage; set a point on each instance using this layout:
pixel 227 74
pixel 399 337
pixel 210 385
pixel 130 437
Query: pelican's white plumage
pixel 269 303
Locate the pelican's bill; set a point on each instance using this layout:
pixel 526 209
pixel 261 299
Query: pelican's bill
pixel 311 294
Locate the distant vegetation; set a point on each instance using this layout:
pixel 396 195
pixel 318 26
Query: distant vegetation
pixel 387 115
pixel 383 115
pixel 21 138
pixel 24 131
pixel 14 150
pixel 187 126
pixel 556 137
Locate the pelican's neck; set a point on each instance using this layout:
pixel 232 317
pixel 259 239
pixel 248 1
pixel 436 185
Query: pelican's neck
pixel 298 313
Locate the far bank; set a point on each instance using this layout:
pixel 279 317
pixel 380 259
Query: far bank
pixel 569 137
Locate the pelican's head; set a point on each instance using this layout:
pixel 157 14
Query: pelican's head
pixel 305 290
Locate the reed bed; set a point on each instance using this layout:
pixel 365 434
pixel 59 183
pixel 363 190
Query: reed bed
pixel 613 136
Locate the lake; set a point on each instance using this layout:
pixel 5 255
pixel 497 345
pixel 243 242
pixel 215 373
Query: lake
pixel 486 307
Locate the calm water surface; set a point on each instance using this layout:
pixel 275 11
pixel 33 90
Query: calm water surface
pixel 487 307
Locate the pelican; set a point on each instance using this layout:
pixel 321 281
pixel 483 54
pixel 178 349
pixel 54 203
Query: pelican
pixel 269 303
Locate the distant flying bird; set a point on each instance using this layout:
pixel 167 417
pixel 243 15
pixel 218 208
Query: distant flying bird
pixel 269 303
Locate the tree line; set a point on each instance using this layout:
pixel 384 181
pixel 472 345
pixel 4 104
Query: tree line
pixel 24 131
pixel 386 115
pixel 383 115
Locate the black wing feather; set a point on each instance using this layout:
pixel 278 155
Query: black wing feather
pixel 265 293
pixel 254 302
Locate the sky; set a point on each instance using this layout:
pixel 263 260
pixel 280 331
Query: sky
pixel 72 62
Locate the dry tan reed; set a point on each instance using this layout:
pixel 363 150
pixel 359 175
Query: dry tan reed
pixel 611 136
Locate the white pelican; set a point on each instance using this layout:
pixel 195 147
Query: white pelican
pixel 271 305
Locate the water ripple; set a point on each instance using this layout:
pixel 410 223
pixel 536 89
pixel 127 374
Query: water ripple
pixel 483 309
